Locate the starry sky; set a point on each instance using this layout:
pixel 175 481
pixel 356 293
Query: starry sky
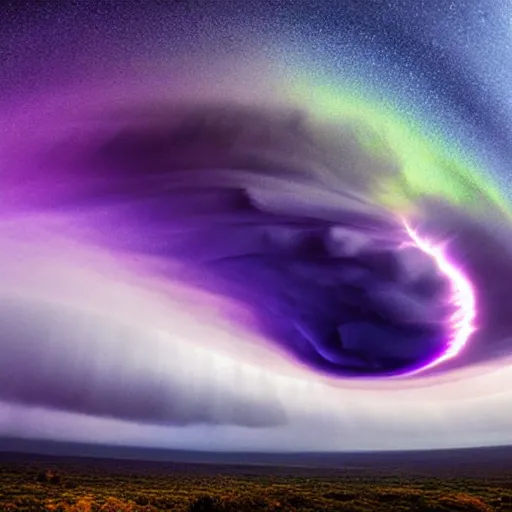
pixel 237 227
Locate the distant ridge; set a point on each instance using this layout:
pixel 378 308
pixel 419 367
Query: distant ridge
pixel 460 460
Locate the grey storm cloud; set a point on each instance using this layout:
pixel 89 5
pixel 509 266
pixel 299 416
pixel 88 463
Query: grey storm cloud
pixel 72 361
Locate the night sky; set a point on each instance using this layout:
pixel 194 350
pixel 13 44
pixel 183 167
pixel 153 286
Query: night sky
pixel 277 226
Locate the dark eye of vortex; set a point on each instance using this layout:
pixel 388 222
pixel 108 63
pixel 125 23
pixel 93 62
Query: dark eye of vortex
pixel 351 304
pixel 341 285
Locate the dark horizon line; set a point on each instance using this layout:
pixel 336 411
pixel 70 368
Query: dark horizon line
pixel 44 447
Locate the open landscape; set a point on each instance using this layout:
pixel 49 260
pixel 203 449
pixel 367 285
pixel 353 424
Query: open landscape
pixel 248 248
pixel 444 480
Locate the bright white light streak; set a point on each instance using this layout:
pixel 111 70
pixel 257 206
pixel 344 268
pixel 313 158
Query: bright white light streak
pixel 462 321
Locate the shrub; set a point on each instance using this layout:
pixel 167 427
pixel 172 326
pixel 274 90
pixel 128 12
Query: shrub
pixel 205 504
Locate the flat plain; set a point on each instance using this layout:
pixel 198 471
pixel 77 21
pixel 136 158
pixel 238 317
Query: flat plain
pixel 122 481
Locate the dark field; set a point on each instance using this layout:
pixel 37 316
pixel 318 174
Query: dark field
pixel 451 480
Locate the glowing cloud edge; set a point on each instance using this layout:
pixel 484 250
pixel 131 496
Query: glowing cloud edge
pixel 462 321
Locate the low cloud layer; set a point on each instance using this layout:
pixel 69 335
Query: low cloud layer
pixel 63 359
